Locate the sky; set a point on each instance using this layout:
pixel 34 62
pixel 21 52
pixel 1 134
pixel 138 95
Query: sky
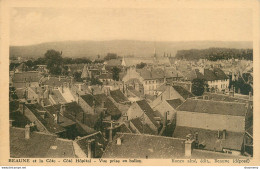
pixel 37 25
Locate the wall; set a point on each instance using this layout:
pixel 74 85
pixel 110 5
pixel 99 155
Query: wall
pixel 134 111
pixel 211 121
pixel 164 107
pixel 31 94
pixel 168 94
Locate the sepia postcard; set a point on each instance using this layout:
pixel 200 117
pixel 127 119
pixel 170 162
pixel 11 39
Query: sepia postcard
pixel 129 83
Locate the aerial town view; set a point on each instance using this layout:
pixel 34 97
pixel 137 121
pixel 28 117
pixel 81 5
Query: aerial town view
pixel 100 87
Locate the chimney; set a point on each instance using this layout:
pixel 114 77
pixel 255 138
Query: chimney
pixel 21 107
pixel 118 141
pixel 42 103
pixel 188 146
pixel 250 95
pixel 224 134
pixel 196 139
pixel 78 97
pixel 218 134
pixel 103 104
pixel 111 133
pixel 80 88
pixel 90 154
pixel 59 78
pixel 48 77
pixel 62 89
pixel 11 123
pixel 27 131
pixel 165 119
pixel 57 117
pixel 62 109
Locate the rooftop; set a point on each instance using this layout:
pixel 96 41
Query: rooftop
pixel 209 138
pixel 148 111
pixel 118 96
pixel 144 146
pixel 213 107
pixel 39 145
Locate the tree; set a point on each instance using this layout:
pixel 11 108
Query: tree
pixel 77 76
pixel 115 72
pixel 141 65
pixel 54 61
pixel 110 56
pixel 198 86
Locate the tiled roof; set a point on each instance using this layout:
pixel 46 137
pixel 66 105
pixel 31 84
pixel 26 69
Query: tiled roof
pixel 183 92
pixel 57 97
pixel 99 143
pixel 26 76
pixel 47 121
pixel 142 128
pixel 118 96
pixel 61 148
pixel 39 145
pixel 111 108
pixel 148 111
pixel 223 97
pixel 146 74
pixel 144 146
pixel 215 74
pixel 174 102
pixel 63 121
pixel 213 107
pixel 234 140
pixel 54 81
pixel 89 99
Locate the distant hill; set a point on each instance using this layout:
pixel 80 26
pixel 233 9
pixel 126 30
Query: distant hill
pixel 91 49
pixel 214 54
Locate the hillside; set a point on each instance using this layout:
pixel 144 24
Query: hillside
pixel 214 54
pixel 91 49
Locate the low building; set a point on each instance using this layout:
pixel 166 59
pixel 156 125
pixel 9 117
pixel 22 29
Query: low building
pixel 141 109
pixel 216 125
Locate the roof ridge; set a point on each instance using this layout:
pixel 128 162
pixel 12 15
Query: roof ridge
pixel 88 136
pixel 172 138
pixel 219 101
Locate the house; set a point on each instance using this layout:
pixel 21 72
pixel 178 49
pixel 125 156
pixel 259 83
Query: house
pixel 57 81
pixel 27 144
pixel 168 92
pixel 120 100
pixel 118 96
pixel 106 78
pixel 26 79
pixel 48 120
pixel 217 125
pixel 138 126
pixel 21 68
pixel 141 109
pixel 148 80
pixel 92 104
pixel 143 146
pixel 216 79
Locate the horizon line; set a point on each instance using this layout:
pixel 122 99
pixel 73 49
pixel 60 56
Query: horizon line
pixel 159 41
